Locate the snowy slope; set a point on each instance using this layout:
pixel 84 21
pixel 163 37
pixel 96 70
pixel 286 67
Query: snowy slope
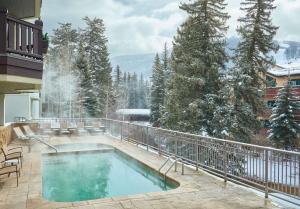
pixel 289 52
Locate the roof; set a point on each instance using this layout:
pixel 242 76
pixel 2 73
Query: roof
pixel 144 112
pixel 286 69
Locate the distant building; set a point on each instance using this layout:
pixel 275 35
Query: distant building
pixel 276 78
pixel 133 114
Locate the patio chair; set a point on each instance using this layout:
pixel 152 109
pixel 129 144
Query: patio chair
pixel 29 133
pixel 81 128
pixel 45 128
pixel 15 153
pixel 64 127
pixel 97 128
pixel 20 135
pixel 7 170
pixel 72 127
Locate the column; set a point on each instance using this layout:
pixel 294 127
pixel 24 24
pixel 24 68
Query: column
pixel 2 109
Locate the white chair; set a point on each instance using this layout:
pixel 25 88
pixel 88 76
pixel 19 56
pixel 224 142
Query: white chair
pixel 29 133
pixel 20 135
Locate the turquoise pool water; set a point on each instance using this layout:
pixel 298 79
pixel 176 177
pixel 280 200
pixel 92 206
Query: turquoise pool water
pixel 78 176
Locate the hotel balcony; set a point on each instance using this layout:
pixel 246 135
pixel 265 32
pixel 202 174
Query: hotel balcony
pixel 21 59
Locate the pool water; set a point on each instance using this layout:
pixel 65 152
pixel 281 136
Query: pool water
pixel 74 176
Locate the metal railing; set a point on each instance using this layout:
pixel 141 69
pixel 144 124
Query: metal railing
pixel 20 37
pixel 265 168
pixel 45 143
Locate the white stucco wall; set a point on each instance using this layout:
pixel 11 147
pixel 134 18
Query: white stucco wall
pixel 21 105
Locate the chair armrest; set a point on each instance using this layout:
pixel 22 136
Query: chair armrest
pixel 9 166
pixel 16 148
pixel 12 153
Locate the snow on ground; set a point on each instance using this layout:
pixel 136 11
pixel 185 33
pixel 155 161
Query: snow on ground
pixel 133 111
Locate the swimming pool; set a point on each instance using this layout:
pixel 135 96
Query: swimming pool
pixel 87 175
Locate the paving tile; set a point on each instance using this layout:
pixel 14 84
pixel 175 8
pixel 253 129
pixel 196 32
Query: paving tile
pixel 197 189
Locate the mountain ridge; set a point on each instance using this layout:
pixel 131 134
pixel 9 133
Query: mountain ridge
pixel 289 51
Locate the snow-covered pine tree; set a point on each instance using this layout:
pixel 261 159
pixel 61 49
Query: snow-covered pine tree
pixel 142 104
pixel 98 59
pixel 118 87
pixel 253 54
pixel 157 91
pixel 235 119
pixel 198 56
pixel 284 130
pixel 133 91
pixel 165 64
pixel 60 69
pixel 251 61
pixel 87 97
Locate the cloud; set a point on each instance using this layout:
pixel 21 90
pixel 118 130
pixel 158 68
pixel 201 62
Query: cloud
pixel 142 26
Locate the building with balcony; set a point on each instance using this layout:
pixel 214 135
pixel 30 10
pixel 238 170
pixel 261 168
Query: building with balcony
pixel 276 78
pixel 21 49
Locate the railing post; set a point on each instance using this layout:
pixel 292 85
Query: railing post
pixel 147 137
pixel 39 36
pixel 3 31
pixel 197 156
pixel 176 147
pixel 159 142
pixel 266 173
pixel 225 159
pixel 299 176
pixel 182 168
pixel 121 131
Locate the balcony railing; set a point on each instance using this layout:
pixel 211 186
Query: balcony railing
pixel 20 37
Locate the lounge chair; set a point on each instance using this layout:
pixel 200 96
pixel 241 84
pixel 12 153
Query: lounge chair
pixel 64 128
pixel 7 170
pixel 72 127
pixel 45 128
pixel 15 153
pixel 20 135
pixel 29 133
pixel 80 128
pixel 97 128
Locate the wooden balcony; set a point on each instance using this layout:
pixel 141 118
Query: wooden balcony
pixel 20 47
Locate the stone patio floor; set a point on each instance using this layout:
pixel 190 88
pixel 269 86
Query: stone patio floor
pixel 197 190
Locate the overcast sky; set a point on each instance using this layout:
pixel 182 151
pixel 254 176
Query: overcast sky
pixel 142 26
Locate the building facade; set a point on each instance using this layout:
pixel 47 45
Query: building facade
pixel 276 78
pixel 21 49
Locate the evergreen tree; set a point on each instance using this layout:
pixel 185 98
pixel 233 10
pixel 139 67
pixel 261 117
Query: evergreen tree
pixel 87 95
pixel 141 93
pixel 165 68
pixel 251 61
pixel 59 68
pixel 120 89
pixel 253 54
pixel 284 129
pixel 198 56
pixel 235 119
pixel 157 91
pixel 133 92
pixel 98 59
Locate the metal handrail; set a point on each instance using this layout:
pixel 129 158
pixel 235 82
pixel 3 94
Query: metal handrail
pixel 174 163
pixel 168 159
pixel 43 142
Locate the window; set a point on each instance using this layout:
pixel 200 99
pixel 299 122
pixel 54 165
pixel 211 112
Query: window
pixel 271 82
pixel 271 104
pixel 295 82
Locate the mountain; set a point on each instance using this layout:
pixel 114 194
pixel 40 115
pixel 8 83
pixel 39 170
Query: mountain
pixel 139 63
pixel 289 52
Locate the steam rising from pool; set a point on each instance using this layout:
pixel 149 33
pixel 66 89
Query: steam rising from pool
pixel 106 172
